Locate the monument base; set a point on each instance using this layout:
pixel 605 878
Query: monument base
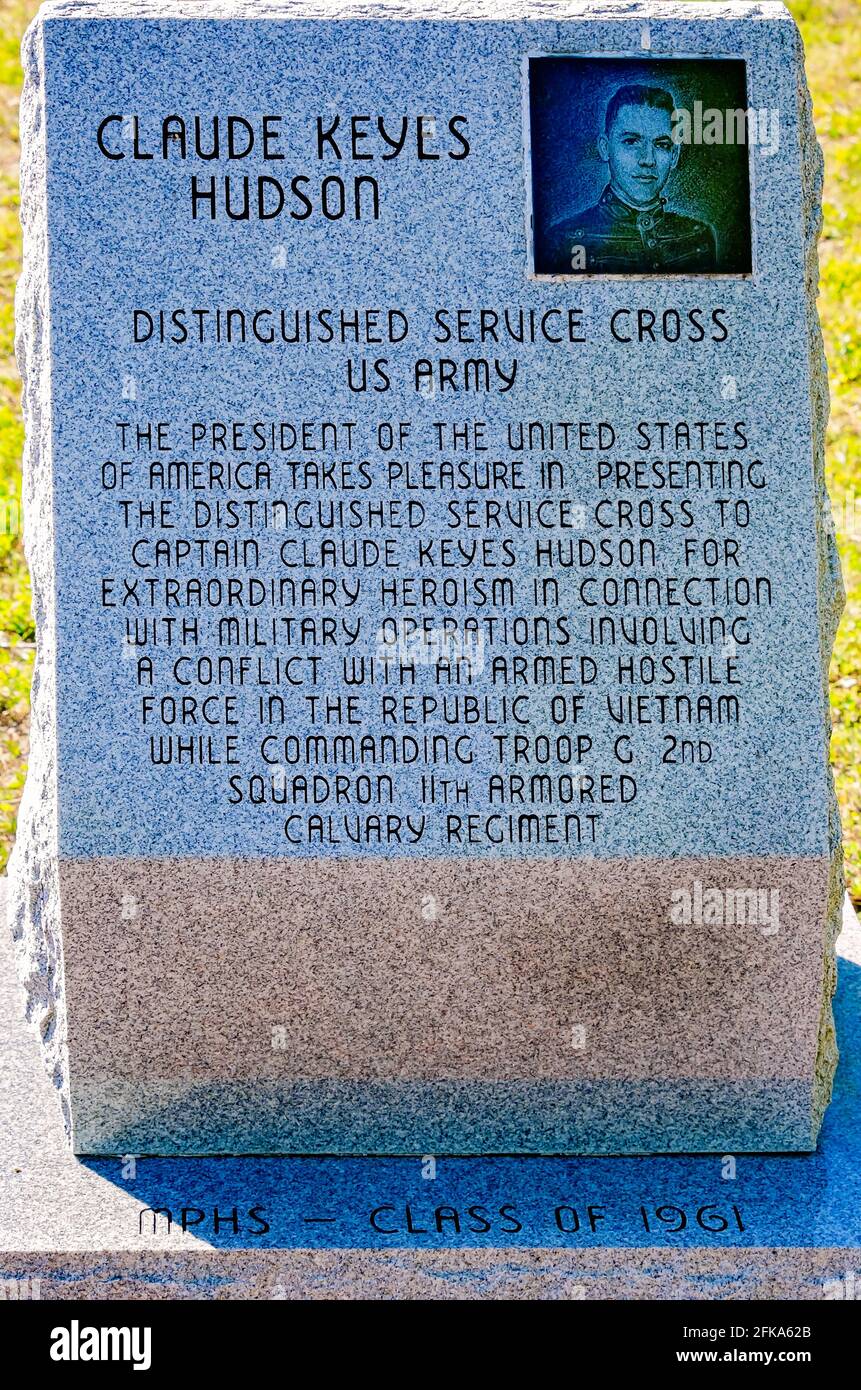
pixel 461 1031
pixel 707 1227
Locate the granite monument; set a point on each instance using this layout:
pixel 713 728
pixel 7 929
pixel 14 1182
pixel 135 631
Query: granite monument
pixel 433 577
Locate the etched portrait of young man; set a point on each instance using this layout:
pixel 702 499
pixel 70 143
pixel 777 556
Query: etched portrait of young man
pixel 655 198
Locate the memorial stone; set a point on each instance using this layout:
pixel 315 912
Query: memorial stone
pixel 434 579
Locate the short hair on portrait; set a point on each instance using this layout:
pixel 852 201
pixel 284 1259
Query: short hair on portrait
pixel 637 94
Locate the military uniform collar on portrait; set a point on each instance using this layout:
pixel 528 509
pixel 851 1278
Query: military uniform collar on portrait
pixel 611 199
pixel 615 238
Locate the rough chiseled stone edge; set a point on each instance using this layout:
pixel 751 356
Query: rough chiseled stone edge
pixel 34 897
pixel 452 10
pixel 494 1273
pixel 832 595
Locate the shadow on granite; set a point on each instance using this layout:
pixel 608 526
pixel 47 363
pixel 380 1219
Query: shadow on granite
pixel 808 1200
pixel 705 1227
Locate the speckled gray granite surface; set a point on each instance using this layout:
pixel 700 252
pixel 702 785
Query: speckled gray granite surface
pixel 733 1227
pixel 200 983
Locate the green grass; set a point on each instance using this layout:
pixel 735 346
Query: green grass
pixel 832 35
pixel 16 622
